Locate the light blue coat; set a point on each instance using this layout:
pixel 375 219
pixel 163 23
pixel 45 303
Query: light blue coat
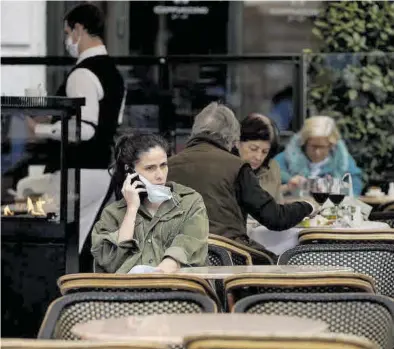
pixel 293 161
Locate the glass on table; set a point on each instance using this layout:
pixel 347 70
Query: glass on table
pixel 338 190
pixel 319 189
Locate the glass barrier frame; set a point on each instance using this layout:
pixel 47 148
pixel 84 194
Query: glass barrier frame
pixel 166 64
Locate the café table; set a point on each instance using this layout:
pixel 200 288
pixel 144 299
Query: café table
pixel 222 272
pixel 171 329
pixel 281 241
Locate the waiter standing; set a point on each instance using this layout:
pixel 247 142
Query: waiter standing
pixel 96 78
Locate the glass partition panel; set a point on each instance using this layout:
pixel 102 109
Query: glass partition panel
pixel 142 109
pixel 164 98
pixel 260 87
pixel 35 180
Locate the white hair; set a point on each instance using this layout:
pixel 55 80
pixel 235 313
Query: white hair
pixel 320 126
pixel 217 119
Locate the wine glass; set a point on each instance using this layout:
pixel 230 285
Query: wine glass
pixel 319 189
pixel 338 191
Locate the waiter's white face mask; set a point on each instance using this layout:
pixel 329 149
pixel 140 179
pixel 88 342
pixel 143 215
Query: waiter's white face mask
pixel 72 48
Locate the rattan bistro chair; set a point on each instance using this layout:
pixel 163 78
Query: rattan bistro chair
pixel 321 341
pixel 386 216
pixel 159 282
pixel 367 315
pixel 218 256
pixel 238 256
pixel 375 260
pixel 310 236
pixel 17 343
pixel 257 257
pixel 244 285
pixel 69 310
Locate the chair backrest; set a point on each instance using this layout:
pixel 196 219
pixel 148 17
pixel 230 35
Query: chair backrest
pixel 386 207
pixel 84 282
pixel 366 315
pixel 375 260
pixel 257 257
pixel 244 285
pixel 386 216
pixel 238 256
pixel 310 236
pixel 321 341
pixel 67 311
pixel 17 343
pixel 218 256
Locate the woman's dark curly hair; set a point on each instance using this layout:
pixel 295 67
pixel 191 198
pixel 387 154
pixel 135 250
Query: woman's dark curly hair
pixel 257 127
pixel 128 150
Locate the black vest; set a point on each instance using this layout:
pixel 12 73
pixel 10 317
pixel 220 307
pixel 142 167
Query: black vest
pixel 96 153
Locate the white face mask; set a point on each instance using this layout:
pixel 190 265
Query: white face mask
pixel 72 48
pixel 156 193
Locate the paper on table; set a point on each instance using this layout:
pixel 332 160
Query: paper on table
pixel 142 269
pixel 353 202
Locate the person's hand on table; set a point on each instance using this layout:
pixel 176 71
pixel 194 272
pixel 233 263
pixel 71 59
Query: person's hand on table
pixel 295 182
pixel 168 265
pixel 32 123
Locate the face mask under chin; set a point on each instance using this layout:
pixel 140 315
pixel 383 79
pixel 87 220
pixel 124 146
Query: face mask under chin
pixel 156 193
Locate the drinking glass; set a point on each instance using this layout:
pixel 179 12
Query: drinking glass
pixel 319 189
pixel 338 190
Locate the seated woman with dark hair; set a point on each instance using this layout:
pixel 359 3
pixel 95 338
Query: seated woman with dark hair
pixel 259 143
pixel 157 224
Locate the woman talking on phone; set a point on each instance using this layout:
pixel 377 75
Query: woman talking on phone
pixel 156 226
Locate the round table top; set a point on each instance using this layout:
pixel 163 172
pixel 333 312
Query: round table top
pixel 172 328
pixel 222 272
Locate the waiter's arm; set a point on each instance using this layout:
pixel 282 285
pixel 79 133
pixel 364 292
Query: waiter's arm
pixel 80 83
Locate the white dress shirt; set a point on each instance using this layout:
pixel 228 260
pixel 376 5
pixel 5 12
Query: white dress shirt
pixel 80 83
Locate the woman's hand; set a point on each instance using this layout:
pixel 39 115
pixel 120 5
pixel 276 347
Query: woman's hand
pixel 131 192
pixel 295 182
pixel 168 265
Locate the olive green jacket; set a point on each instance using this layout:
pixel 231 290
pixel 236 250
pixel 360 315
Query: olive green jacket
pixel 179 230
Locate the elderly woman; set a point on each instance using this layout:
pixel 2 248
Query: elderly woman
pixel 316 151
pixel 157 225
pixel 257 146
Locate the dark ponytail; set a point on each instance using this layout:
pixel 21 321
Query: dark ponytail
pixel 128 150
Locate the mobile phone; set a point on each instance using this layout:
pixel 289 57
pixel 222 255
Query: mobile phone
pixel 143 195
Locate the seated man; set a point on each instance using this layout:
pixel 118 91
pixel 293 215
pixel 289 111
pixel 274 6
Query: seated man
pixel 228 185
pixel 157 225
